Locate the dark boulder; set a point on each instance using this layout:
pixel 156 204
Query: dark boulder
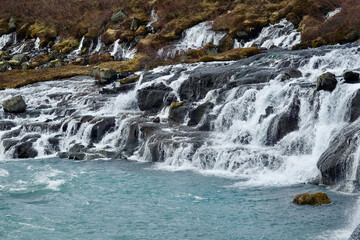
pixel 291 73
pixel 14 105
pixel 198 113
pixel 100 128
pixel 351 77
pixel 326 82
pixel 283 123
pixel 25 150
pixel 337 160
pixel 152 98
pixel 356 234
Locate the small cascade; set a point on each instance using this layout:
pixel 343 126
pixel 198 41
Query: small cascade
pixel 77 51
pixel 281 35
pixel 333 13
pixel 6 40
pixel 37 44
pixel 153 19
pixel 122 51
pixel 195 37
pixel 99 45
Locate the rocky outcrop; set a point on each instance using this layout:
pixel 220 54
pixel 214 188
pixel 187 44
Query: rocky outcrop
pixel 101 128
pixel 326 82
pixel 284 123
pixel 197 114
pixel 152 98
pixel 25 150
pixel 337 160
pixel 14 105
pixel 103 75
pixel 312 199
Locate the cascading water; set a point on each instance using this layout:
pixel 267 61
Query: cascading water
pixel 261 129
pixel 122 51
pixel 333 13
pixel 153 19
pixel 282 34
pixel 195 37
pixel 5 40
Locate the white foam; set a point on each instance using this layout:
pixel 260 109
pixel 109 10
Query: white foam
pixel 122 52
pixel 4 173
pixel 333 13
pixel 195 37
pixel 282 34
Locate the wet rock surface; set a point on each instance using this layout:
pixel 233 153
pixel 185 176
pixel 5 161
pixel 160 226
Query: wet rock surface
pixel 14 105
pixel 326 82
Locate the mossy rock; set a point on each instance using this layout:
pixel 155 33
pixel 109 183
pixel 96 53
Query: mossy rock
pixel 46 33
pixel 130 79
pixel 176 105
pixel 110 36
pixel 66 45
pixel 314 199
pixel 118 17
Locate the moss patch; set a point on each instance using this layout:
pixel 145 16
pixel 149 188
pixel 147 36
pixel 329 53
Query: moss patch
pixel 66 45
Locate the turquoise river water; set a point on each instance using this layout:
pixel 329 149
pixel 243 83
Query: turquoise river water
pixel 63 199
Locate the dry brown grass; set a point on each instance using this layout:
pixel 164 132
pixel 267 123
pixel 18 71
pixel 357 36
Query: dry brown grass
pixel 20 78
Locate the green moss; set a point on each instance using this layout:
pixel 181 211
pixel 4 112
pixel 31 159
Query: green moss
pixel 66 45
pixel 46 33
pixel 312 199
pixel 176 105
pixel 130 79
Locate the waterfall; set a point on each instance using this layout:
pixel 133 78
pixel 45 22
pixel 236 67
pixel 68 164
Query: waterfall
pixel 77 51
pixel 5 40
pixel 195 37
pixel 333 13
pixel 153 19
pixel 122 52
pixel 99 45
pixel 245 121
pixel 282 34
pixel 37 44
